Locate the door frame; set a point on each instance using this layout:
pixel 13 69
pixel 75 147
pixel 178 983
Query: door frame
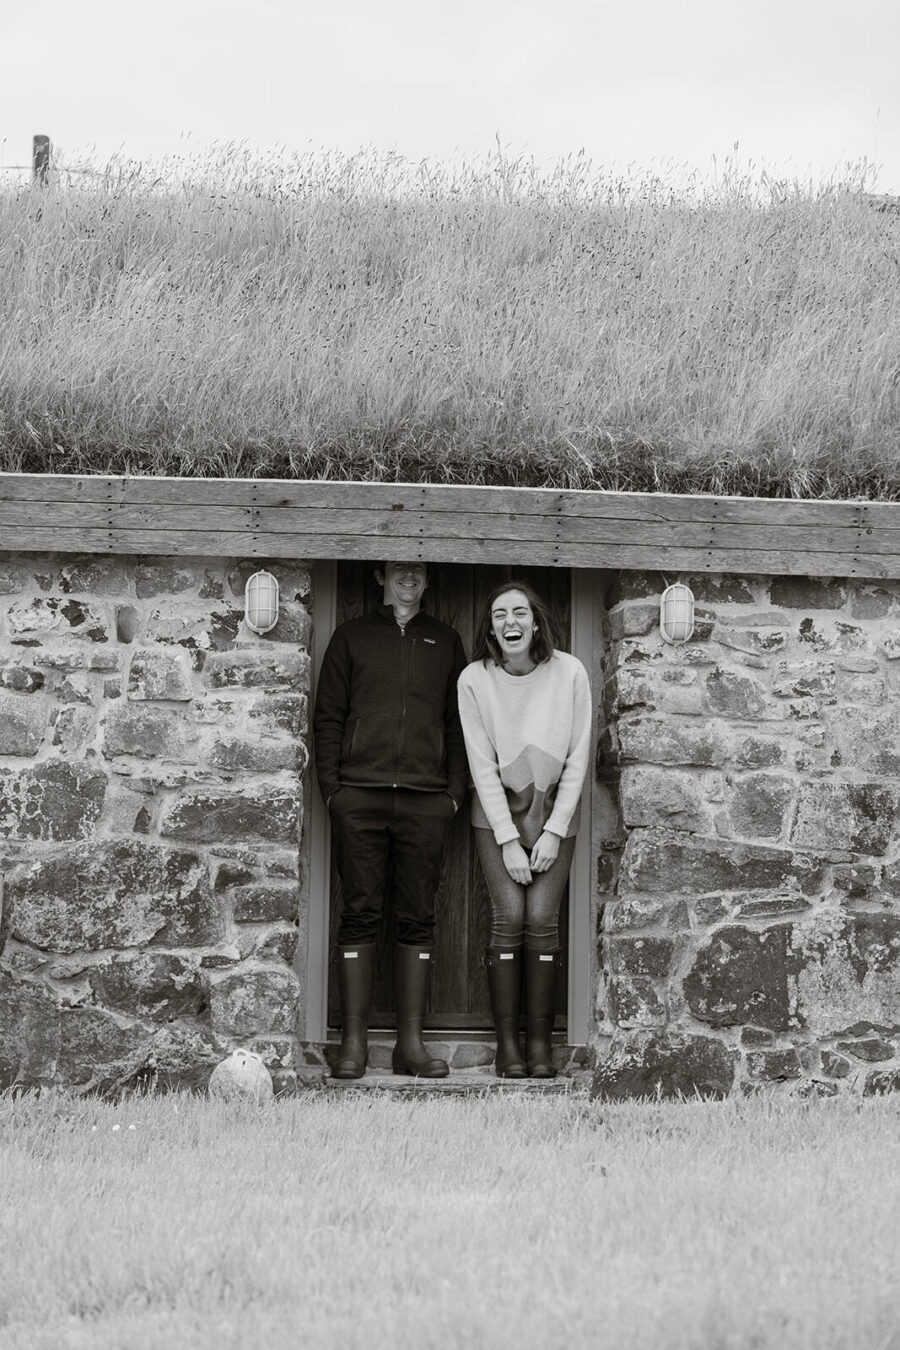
pixel 584 600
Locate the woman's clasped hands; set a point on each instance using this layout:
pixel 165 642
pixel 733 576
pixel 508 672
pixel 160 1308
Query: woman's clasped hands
pixel 520 865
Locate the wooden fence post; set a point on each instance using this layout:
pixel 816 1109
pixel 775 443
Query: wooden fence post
pixel 40 160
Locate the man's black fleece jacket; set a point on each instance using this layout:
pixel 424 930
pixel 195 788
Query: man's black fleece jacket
pixel 386 712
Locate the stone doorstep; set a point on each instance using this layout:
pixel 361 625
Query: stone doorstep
pixel 466 1083
pixel 471 1061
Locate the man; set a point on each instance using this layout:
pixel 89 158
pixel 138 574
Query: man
pixel 391 765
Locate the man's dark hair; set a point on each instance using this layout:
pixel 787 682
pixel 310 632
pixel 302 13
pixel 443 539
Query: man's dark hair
pixel 543 644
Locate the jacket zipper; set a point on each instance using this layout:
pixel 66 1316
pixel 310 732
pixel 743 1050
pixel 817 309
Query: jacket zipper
pixel 403 695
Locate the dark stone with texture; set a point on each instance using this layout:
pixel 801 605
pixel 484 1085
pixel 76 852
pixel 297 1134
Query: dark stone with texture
pixel 274 668
pixel 55 800
pixel 657 740
pixel 120 894
pixel 153 984
pixel 641 955
pixel 147 731
pixel 774 1066
pixel 235 754
pixel 21 679
pixel 871 1049
pixel 269 813
pixel 162 579
pixel 723 590
pixel 265 904
pixel 674 1066
pixel 744 976
pixel 806 593
pixel 281 712
pixel 664 865
pixel 255 1001
pixel 159 675
pixel 634 1002
pixel 629 585
pixel 876 939
pixel 879 1083
pixel 845 816
pixel 759 806
pixel 735 695
pixel 93 576
pixel 126 623
pixel 23 723
pixel 756 753
pixel 29 1032
pixel 279 944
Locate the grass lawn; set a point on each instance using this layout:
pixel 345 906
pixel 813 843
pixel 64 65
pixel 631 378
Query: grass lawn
pixel 363 1220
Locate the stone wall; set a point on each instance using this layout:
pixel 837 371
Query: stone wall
pixel 151 758
pixel 751 897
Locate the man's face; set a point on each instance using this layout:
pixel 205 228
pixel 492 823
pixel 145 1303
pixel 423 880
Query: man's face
pixel 404 583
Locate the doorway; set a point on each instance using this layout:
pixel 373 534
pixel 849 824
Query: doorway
pixel 459 1001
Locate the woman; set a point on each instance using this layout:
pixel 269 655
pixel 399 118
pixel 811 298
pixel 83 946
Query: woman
pixel 526 715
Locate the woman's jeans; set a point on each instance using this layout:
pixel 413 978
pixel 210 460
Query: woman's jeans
pixel 524 913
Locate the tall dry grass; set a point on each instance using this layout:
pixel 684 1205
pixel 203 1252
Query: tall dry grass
pixel 363 1222
pixel 367 318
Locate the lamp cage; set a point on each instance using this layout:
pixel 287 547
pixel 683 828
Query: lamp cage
pixel 676 613
pixel 261 602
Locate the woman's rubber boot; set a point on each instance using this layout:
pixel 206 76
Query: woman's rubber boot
pixel 540 991
pixel 413 966
pixel 504 975
pixel 356 978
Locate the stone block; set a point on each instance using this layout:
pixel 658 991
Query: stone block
pixel 147 731
pixel 879 1083
pixel 641 955
pixel 807 593
pixel 23 723
pixel 659 740
pixel 40 618
pixel 281 712
pixel 157 985
pixel 163 578
pixel 272 813
pixel 90 575
pixel 237 754
pixel 647 1064
pixel 759 806
pixel 264 904
pixel 269 668
pixel 663 796
pixel 635 1003
pixel 21 679
pixel 255 1000
pixel 837 817
pixel 754 752
pixel 731 694
pixel 871 602
pixel 662 865
pixel 636 912
pixel 278 944
pixel 73 728
pixel 162 676
pixel 850 971
pixel 633 620
pixel 29 1032
pixel 12 578
pixel 721 590
pixel 804 678
pixel 774 1066
pixel 871 1049
pixel 628 585
pixel 742 975
pixel 114 894
pixel 54 800
pixel 196 629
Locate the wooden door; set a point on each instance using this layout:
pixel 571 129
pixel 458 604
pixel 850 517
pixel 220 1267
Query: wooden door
pixel 459 1000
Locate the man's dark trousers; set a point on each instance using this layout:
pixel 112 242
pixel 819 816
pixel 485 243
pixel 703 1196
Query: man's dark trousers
pixel 372 828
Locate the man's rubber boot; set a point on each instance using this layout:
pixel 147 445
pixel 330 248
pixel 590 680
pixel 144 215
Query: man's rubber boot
pixel 540 990
pixel 504 975
pixel 413 966
pixel 356 975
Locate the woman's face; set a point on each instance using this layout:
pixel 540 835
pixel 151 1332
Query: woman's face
pixel 512 623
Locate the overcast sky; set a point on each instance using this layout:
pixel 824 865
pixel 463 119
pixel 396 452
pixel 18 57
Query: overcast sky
pixel 801 85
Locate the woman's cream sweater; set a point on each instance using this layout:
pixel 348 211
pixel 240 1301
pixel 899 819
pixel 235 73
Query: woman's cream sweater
pixel 528 740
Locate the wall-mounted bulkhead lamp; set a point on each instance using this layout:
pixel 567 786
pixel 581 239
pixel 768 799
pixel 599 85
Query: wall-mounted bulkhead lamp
pixel 676 613
pixel 261 602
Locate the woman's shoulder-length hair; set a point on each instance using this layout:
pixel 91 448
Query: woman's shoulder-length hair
pixel 543 644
